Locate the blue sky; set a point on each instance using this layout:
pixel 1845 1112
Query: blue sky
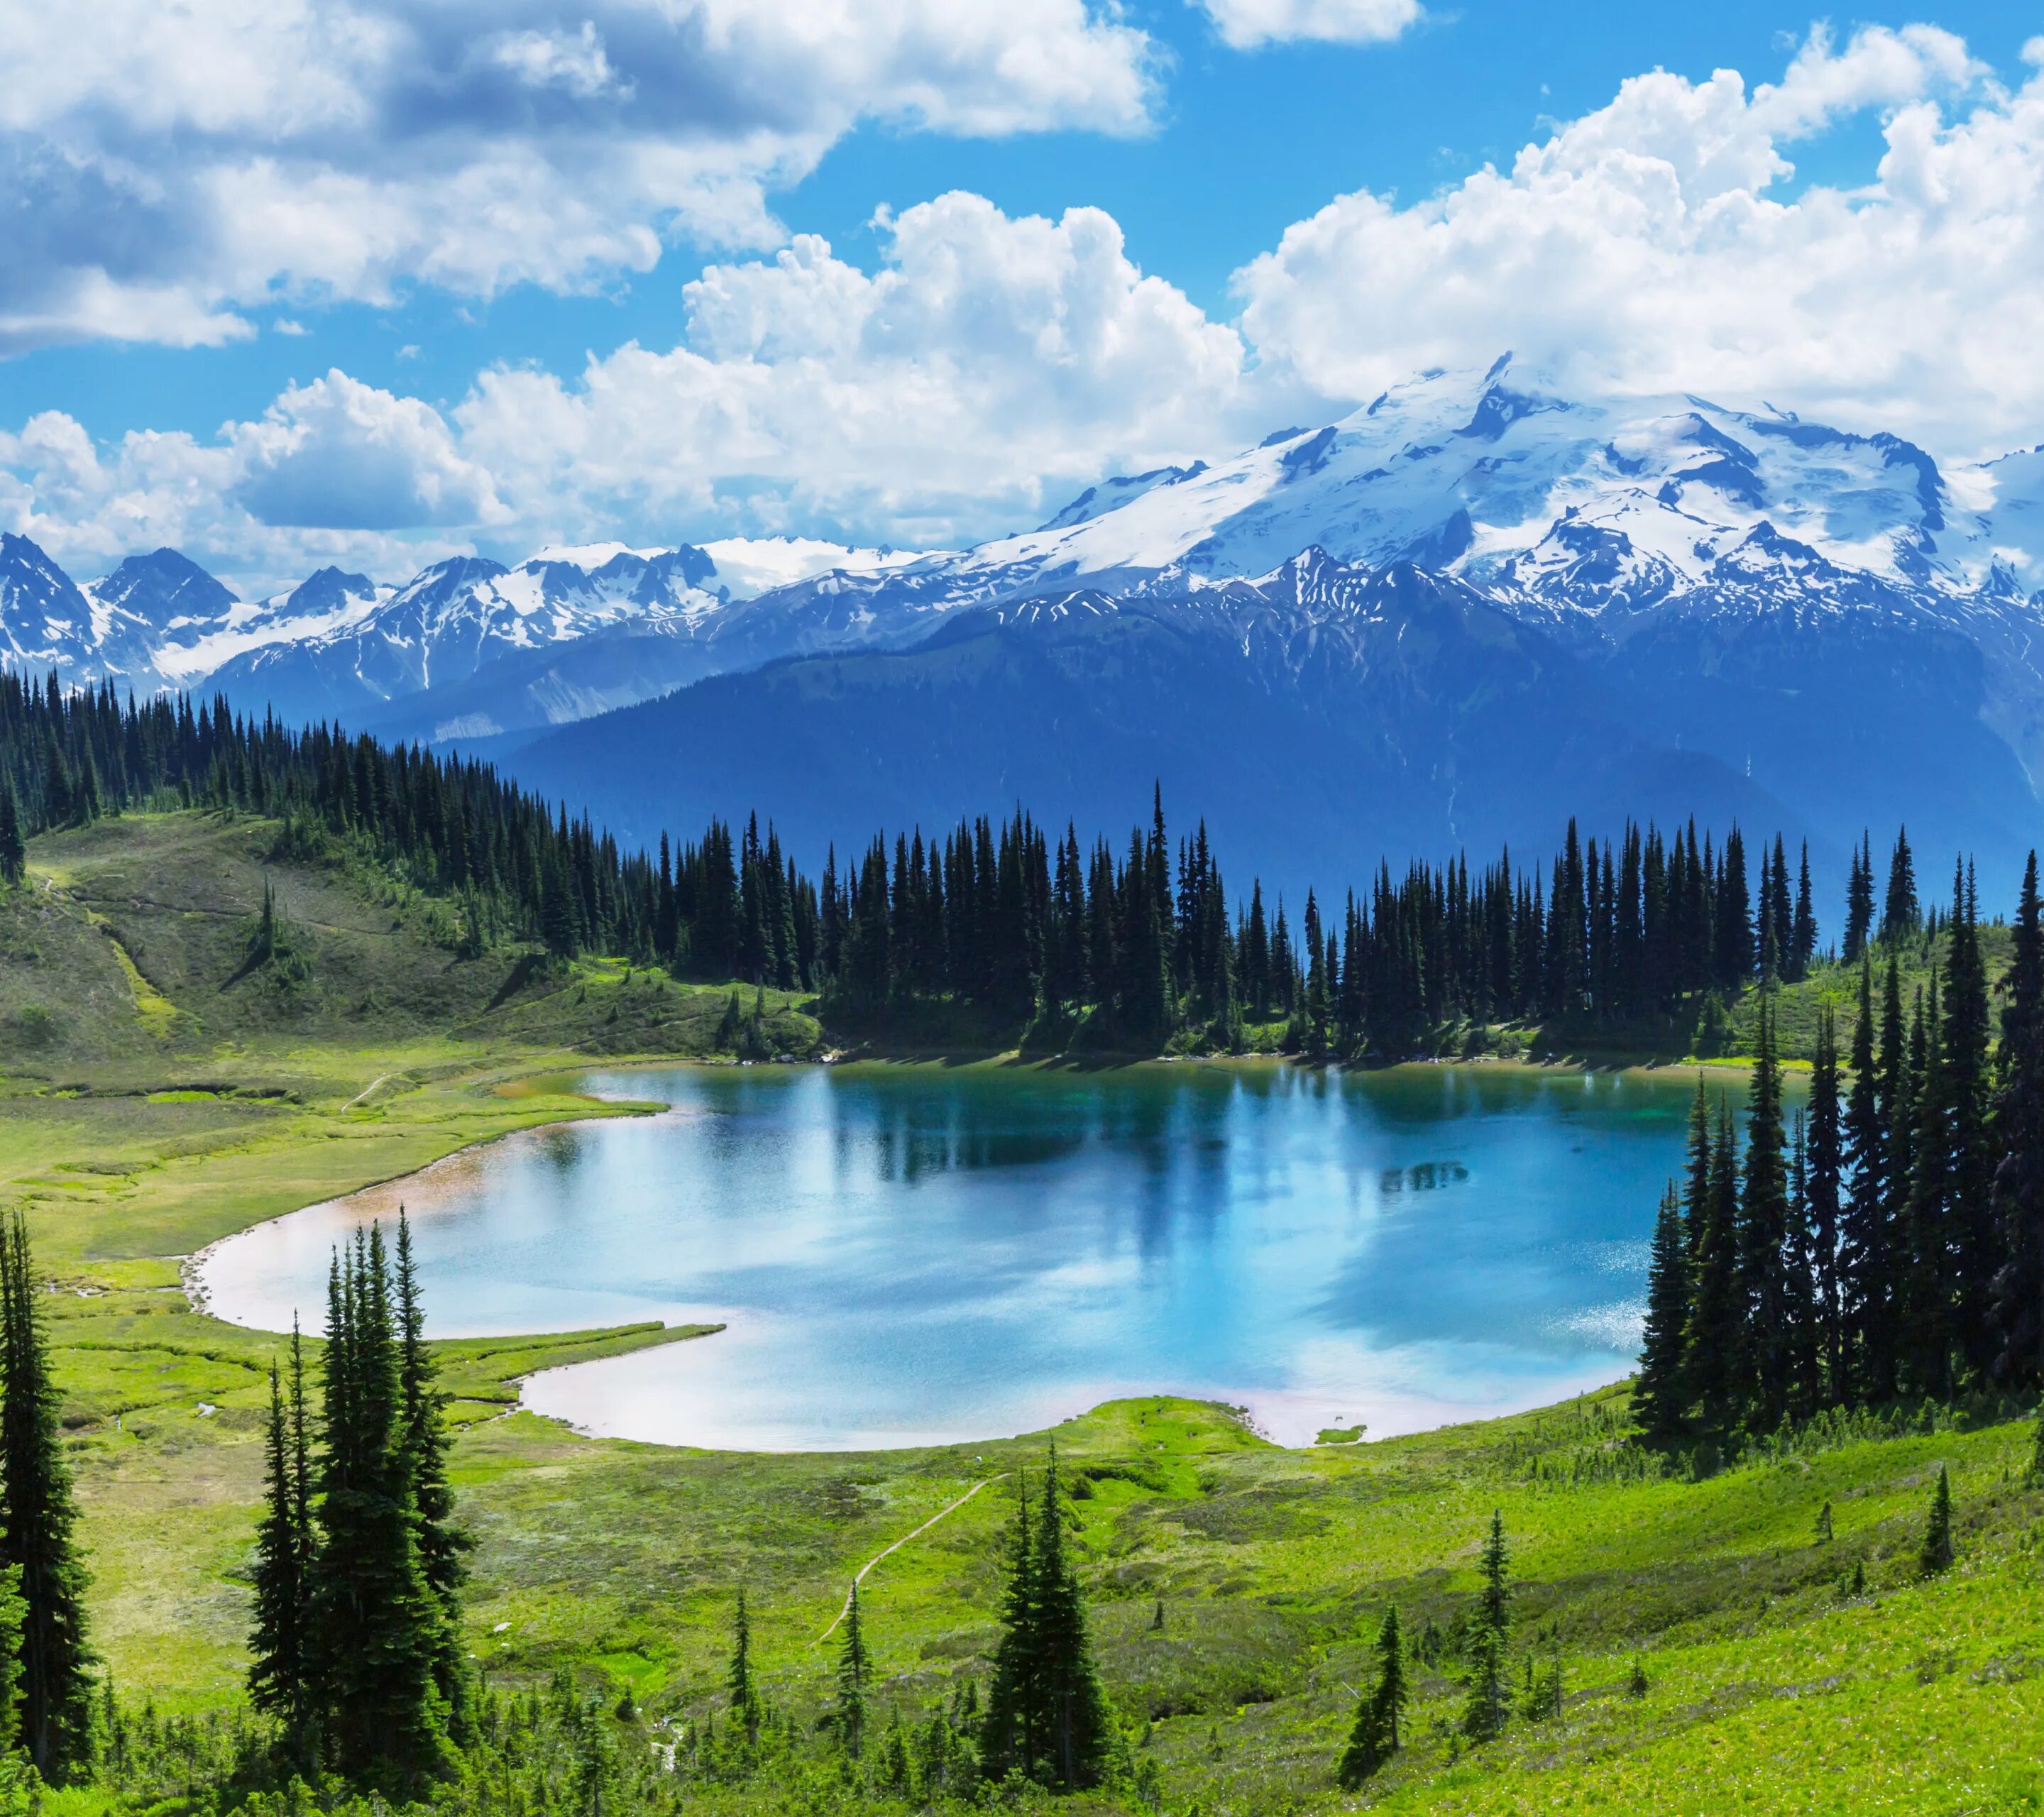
pixel 1203 173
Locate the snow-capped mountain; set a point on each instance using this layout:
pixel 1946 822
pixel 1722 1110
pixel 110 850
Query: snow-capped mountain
pixel 1827 617
pixel 340 645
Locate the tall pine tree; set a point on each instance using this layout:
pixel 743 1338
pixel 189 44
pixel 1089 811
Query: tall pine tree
pixel 1075 1725
pixel 1660 1399
pixel 36 1529
pixel 378 1623
pixel 280 1673
pixel 1823 1173
pixel 847 1713
pixel 1766 1349
pixel 2018 1139
pixel 1717 1338
pixel 1487 1704
pixel 1379 1732
pixel 442 1545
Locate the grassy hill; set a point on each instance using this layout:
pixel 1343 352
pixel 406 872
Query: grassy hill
pixel 158 1090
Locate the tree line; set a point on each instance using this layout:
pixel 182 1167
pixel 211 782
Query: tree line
pixel 1140 945
pixel 1888 1241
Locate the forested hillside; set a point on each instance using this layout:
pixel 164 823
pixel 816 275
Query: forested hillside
pixel 1000 932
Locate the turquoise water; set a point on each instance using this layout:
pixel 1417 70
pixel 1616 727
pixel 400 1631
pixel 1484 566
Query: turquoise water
pixel 906 1255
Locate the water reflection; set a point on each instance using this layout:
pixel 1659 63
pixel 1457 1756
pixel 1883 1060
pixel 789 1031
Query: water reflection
pixel 905 1254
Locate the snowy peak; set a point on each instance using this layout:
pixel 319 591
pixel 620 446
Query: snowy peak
pixel 44 619
pixel 163 589
pixel 1472 472
pixel 1123 488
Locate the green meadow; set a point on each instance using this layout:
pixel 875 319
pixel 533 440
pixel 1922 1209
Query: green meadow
pixel 1722 1648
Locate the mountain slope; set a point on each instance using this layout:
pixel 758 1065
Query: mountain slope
pixel 1413 716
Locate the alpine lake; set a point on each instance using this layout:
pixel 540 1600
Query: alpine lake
pixel 919 1254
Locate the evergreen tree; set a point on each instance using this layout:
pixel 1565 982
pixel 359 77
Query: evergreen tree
pixel 1926 1312
pixel 1717 1317
pixel 1488 1704
pixel 848 1712
pixel 1803 939
pixel 442 1545
pixel 281 1670
pixel 1867 1262
pixel 1696 1177
pixel 36 1529
pixel 1047 1714
pixel 557 912
pixel 14 853
pixel 1660 1400
pixel 744 1695
pixel 1901 915
pixel 2018 1139
pixel 1965 1040
pixel 379 1624
pixel 1378 1732
pixel 1824 1172
pixel 1936 1555
pixel 1076 1726
pixel 1010 1737
pixel 1859 903
pixel 1901 1069
pixel 1804 1388
pixel 1763 1239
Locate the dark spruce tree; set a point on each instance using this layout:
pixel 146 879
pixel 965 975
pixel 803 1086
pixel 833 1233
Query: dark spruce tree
pixel 1859 903
pixel 377 1622
pixel 1824 1175
pixel 14 853
pixel 1378 1730
pixel 1716 1337
pixel 1866 1261
pixel 847 1712
pixel 1487 1702
pixel 1799 1267
pixel 1936 1553
pixel 1966 1041
pixel 1009 1737
pixel 280 1645
pixel 442 1545
pixel 1928 1277
pixel 1901 1069
pixel 38 1536
pixel 2018 1140
pixel 1047 1714
pixel 1660 1400
pixel 1901 914
pixel 1763 1380
pixel 743 1693
pixel 1075 1725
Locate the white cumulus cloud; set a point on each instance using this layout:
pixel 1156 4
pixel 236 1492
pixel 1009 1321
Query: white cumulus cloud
pixel 988 362
pixel 171 166
pixel 334 471
pixel 1660 243
pixel 1247 24
pixel 986 367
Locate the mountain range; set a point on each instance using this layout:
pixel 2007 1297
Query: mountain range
pixel 1472 606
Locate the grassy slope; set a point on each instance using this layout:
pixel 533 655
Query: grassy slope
pixel 157 1095
pixel 1771 1687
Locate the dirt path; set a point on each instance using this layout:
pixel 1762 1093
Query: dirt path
pixel 901 1542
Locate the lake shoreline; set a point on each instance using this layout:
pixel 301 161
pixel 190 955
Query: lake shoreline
pixel 608 1081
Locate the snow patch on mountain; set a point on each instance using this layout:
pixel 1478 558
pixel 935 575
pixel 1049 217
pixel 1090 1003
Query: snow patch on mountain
pixel 747 567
